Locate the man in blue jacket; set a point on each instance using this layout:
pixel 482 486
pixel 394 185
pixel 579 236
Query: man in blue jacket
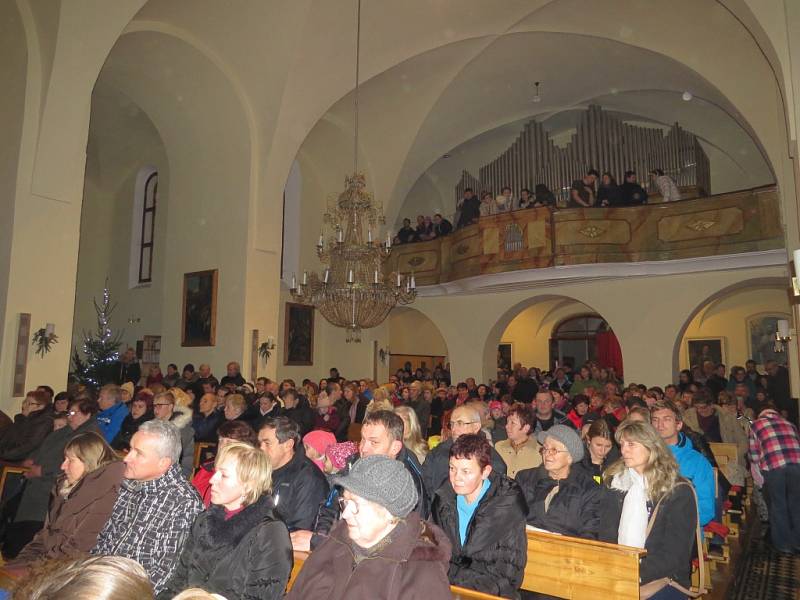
pixel 667 420
pixel 112 411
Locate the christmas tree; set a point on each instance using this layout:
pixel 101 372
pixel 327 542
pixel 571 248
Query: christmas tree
pixel 99 349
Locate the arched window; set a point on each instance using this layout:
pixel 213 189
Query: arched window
pixel 574 340
pixel 143 227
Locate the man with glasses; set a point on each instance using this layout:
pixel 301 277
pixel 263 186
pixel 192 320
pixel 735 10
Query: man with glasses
pixel 165 409
pixel 435 470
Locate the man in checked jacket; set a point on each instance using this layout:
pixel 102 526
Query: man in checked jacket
pixel 775 450
pixel 156 507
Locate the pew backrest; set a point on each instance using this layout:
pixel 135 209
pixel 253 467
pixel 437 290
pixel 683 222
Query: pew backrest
pixel 568 567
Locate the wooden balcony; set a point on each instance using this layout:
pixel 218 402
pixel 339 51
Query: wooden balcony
pixel 725 224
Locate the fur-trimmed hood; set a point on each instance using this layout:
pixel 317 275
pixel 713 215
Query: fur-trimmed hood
pixel 181 416
pixel 215 531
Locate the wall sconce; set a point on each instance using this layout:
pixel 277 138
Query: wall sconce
pixel 384 354
pixel 134 319
pixel 795 282
pixel 44 339
pixel 266 348
pixel 782 335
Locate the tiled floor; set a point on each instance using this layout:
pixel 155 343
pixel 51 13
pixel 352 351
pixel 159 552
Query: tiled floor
pixel 762 574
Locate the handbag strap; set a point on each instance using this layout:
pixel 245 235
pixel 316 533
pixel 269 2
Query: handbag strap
pixel 701 566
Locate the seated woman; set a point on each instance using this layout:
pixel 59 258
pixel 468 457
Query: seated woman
pixel 561 497
pixel 30 427
pixel 379 549
pixel 81 501
pixel 483 515
pixel 238 547
pixel 600 451
pixel 412 436
pixel 140 413
pixel 643 493
pixel 229 431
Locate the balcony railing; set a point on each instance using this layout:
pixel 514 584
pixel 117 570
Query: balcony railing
pixel 745 221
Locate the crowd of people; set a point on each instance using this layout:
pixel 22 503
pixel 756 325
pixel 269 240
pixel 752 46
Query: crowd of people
pixel 397 490
pixel 592 190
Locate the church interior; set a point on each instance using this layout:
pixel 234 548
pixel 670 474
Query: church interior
pixel 162 150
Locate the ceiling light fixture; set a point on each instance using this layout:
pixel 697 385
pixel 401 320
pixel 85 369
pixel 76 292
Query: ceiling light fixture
pixel 536 96
pixel 687 96
pixel 353 292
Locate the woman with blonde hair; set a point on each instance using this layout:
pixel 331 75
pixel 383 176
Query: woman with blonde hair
pixel 646 504
pixel 86 578
pixel 412 435
pixel 380 400
pixel 81 501
pixel 238 547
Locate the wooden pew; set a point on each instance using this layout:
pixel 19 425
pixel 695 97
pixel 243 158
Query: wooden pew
pixel 459 593
pixel 201 450
pixel 568 567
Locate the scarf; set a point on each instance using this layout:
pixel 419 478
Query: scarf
pixel 633 521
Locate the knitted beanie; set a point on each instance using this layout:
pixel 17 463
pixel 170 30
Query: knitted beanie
pixel 339 453
pixel 381 480
pixel 567 436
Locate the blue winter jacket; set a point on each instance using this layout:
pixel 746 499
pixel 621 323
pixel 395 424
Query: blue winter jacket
pixel 696 468
pixel 110 420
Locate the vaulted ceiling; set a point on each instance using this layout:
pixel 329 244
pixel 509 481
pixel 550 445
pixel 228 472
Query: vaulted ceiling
pixel 275 78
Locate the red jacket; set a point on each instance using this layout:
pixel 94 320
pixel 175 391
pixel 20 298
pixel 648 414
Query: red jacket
pixel 202 481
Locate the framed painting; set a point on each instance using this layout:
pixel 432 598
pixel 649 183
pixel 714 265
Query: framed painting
pixel 504 356
pixel 298 341
pixel 199 323
pixel 699 350
pixel 761 338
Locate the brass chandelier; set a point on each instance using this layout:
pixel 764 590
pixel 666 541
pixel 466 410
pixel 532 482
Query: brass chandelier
pixel 353 292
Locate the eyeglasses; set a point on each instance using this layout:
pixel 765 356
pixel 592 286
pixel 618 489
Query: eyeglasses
pixel 72 413
pixel 550 451
pixel 344 503
pixel 162 404
pixel 453 424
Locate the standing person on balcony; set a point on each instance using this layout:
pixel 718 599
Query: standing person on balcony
pixel 583 192
pixel 609 194
pixel 487 205
pixel 666 185
pixel 632 193
pixel 470 209
pixel 441 226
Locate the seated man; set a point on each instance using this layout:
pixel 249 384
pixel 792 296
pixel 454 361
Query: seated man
pixel 381 434
pixel 112 411
pixel 463 420
pixel 546 414
pixel 156 507
pixel 298 486
pixel 441 226
pixel 666 418
pixel 520 451
pixel 483 515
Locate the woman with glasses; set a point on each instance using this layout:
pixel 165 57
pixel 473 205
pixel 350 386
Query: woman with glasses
pixel 562 497
pixel 81 500
pixel 646 504
pixel 239 547
pixel 379 549
pixel 483 515
pixel 31 426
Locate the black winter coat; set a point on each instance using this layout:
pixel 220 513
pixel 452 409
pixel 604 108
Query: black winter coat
pixel 436 468
pixel 26 434
pixel 130 425
pixel 298 489
pixel 246 557
pixel 302 415
pixel 671 542
pixel 493 559
pixel 596 471
pixel 573 509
